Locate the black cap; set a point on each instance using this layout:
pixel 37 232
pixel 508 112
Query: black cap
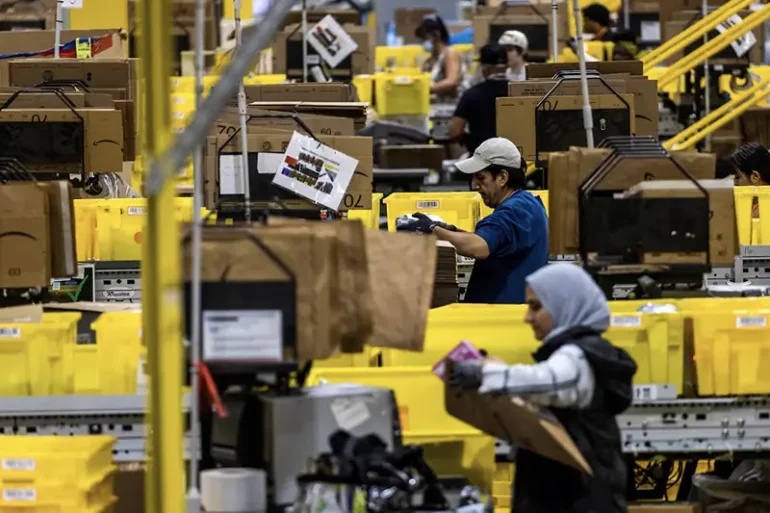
pixel 598 13
pixel 493 55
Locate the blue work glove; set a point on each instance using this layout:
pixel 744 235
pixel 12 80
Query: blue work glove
pixel 467 375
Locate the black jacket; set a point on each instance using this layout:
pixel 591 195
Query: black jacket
pixel 542 485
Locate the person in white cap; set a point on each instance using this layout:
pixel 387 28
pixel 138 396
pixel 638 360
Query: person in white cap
pixel 517 45
pixel 512 242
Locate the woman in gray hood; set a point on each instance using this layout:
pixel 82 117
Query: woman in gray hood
pixel 581 378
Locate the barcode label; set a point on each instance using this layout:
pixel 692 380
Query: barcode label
pixel 136 211
pixel 10 332
pixel 403 80
pixel 626 321
pixel 18 464
pixel 751 321
pixel 427 204
pixel 645 393
pixel 19 494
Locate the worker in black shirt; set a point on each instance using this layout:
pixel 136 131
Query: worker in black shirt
pixel 476 111
pixel 597 21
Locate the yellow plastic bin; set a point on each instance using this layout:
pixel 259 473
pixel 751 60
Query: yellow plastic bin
pixel 461 209
pixel 33 356
pixel 71 460
pixel 396 57
pixel 365 87
pixel 370 218
pixel 543 195
pixel 399 94
pixel 655 342
pixel 732 354
pixel 419 394
pixel 87 496
pixel 85 228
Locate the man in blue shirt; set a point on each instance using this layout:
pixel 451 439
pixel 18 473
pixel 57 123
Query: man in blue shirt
pixel 512 242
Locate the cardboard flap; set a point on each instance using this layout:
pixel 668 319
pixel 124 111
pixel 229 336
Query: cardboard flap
pixel 83 306
pixel 515 421
pixel 23 313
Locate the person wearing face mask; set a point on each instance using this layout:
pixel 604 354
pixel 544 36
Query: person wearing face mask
pixel 476 111
pixel 517 45
pixel 509 244
pixel 445 63
pixel 581 378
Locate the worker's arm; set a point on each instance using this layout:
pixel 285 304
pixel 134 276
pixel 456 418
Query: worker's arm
pixel 565 380
pixel 453 73
pixel 466 244
pixel 457 128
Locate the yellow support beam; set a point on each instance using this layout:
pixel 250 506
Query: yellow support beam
pixel 161 262
pixel 100 14
pixel 247 11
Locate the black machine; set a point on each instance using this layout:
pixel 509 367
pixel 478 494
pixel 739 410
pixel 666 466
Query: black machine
pixel 619 232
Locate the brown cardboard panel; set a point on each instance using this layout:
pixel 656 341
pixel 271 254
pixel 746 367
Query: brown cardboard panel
pixel 723 232
pixel 564 181
pixel 103 144
pixel 331 92
pixel 362 62
pixel 536 9
pixel 522 109
pixel 354 111
pixel 515 421
pixel 23 313
pixel 229 122
pixel 98 73
pixel 482 29
pixel 645 93
pixel 566 88
pixel 678 507
pixel 426 156
pixel 127 110
pixel 359 195
pixel 49 100
pixel 24 236
pixel 605 68
pixel 64 263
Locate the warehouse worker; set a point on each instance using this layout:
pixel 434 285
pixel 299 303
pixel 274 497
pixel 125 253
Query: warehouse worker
pixel 752 167
pixel 597 22
pixel 476 111
pixel 581 378
pixel 509 244
pixel 445 63
pixel 517 45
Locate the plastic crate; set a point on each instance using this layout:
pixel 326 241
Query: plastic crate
pixel 457 208
pixel 370 218
pixel 119 226
pixel 55 460
pixel 654 341
pixel 85 228
pixel 732 355
pixel 499 329
pixel 107 507
pixel 111 365
pixel 33 356
pixel 402 94
pixel 543 195
pixel 365 87
pixel 398 57
pixel 85 496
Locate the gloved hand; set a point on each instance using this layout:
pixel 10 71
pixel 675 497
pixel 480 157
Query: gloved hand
pixel 416 223
pixel 434 224
pixel 467 375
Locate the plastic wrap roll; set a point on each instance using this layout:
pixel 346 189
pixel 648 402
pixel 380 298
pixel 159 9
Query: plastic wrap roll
pixel 233 490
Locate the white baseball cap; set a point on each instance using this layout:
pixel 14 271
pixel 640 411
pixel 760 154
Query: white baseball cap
pixel 497 151
pixel 514 38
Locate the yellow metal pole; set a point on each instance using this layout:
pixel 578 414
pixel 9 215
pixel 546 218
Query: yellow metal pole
pixel 161 298
pixel 101 14
pixel 694 33
pixel 714 46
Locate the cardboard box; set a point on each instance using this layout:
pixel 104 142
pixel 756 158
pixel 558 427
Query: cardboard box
pixel 723 233
pixel 541 9
pixel 100 73
pixel 229 122
pixel 358 196
pixel 102 140
pixel 605 68
pixel 488 29
pixel 517 422
pixel 407 20
pixel 411 156
pixel 568 170
pixel 541 87
pixel 349 110
pixel 331 92
pixel 24 247
pixel 49 100
pixel 361 61
pixel 39 40
pixel 516 120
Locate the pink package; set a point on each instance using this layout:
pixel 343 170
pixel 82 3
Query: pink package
pixel 464 351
